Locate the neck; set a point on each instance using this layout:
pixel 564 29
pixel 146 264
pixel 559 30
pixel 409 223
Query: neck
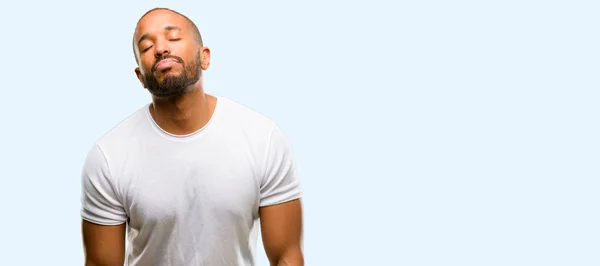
pixel 183 114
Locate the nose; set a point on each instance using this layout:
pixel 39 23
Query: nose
pixel 162 48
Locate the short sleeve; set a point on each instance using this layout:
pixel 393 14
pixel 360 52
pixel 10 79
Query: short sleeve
pixel 99 201
pixel 280 182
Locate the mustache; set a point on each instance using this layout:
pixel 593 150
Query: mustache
pixel 177 58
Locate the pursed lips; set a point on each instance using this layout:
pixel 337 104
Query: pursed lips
pixel 165 63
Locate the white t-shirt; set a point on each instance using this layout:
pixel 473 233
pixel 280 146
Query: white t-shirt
pixel 193 199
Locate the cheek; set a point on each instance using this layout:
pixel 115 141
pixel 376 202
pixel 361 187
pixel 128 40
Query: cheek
pixel 187 53
pixel 146 64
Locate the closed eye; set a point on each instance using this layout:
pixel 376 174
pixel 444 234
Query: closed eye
pixel 174 40
pixel 146 49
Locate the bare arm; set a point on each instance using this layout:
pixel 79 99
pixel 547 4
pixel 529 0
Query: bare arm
pixel 104 245
pixel 281 227
pixel 103 215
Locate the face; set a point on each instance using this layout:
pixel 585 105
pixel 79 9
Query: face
pixel 170 58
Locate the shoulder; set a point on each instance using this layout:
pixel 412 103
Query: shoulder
pixel 248 119
pixel 261 132
pixel 124 133
pixel 126 130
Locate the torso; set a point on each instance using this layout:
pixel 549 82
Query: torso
pixel 191 200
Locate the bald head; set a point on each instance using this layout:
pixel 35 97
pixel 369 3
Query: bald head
pixel 191 26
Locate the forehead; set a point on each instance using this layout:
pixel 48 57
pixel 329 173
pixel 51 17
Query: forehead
pixel 158 20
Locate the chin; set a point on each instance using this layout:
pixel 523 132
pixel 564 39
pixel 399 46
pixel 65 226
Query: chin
pixel 168 74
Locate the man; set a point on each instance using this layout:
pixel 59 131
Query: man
pixel 190 175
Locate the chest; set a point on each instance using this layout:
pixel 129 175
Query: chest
pixel 187 185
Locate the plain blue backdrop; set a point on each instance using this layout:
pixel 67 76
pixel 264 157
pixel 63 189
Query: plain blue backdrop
pixel 425 132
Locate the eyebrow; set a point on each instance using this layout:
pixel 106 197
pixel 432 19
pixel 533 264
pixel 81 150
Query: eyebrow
pixel 167 28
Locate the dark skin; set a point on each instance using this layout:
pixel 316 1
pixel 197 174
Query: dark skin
pixel 165 32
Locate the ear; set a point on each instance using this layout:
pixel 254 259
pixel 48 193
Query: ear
pixel 204 57
pixel 138 73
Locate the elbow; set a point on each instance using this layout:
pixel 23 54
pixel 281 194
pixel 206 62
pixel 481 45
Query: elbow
pixel 91 262
pixel 291 257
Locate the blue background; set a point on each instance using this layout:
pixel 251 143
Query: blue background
pixel 425 132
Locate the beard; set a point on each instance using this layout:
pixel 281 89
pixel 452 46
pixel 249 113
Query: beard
pixel 172 84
